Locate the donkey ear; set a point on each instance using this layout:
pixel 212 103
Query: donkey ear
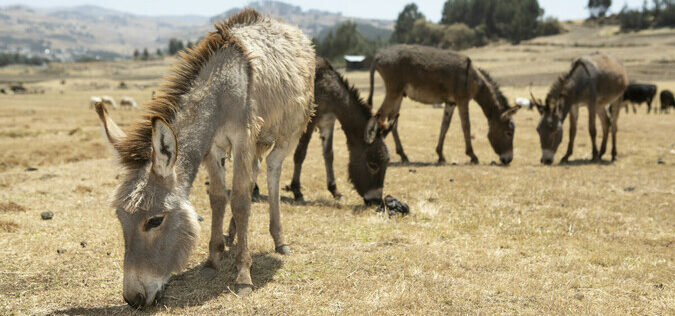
pixel 392 125
pixel 111 131
pixel 510 112
pixel 164 148
pixel 371 130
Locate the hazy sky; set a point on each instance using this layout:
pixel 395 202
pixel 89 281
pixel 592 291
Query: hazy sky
pixel 380 9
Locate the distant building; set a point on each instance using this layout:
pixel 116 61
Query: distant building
pixel 355 62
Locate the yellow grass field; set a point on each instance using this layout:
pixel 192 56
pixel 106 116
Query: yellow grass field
pixel 481 239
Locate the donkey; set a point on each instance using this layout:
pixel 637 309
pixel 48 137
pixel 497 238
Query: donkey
pixel 247 87
pixel 109 101
pixel 431 76
pixel 667 101
pixel 335 98
pixel 594 80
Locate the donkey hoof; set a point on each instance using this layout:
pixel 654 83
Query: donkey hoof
pixel 256 198
pixel 338 197
pixel 287 187
pixel 299 199
pixel 474 161
pixel 208 273
pixel 243 290
pixel 283 249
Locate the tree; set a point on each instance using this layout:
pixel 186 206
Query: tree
pixel 189 45
pixel 136 53
pixel 145 55
pixel 159 52
pixel 175 46
pixel 405 22
pixel 599 8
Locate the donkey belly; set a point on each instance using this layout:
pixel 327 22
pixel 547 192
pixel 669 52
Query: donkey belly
pixel 424 94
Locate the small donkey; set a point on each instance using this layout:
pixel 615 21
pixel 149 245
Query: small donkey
pixel 247 87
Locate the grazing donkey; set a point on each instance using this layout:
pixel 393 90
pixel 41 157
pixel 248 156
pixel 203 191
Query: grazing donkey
pixel 335 98
pixel 431 76
pixel 667 101
pixel 594 80
pixel 109 101
pixel 247 87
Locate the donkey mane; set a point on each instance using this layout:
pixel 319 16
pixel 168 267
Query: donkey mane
pixel 135 150
pixel 556 87
pixel 354 93
pixel 502 102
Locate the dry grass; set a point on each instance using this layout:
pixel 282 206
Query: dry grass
pixel 526 239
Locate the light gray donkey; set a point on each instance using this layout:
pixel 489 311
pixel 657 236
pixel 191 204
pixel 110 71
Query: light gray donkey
pixel 247 87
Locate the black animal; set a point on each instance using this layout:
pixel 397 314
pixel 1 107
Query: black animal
pixel 667 101
pixel 638 93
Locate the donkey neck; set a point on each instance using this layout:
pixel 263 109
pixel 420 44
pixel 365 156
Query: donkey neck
pixel 352 117
pixel 488 101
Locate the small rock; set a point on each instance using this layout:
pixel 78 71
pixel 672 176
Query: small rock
pixel 452 180
pixel 200 218
pixel 412 170
pixel 83 244
pixel 493 163
pixel 660 162
pixel 206 183
pixel 629 189
pixel 107 253
pixel 579 296
pixel 454 163
pixel 47 215
pixel 659 286
pixel 60 251
pixel 31 169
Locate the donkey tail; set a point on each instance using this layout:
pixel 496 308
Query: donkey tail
pixel 373 65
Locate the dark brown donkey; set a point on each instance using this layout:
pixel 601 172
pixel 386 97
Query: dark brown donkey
pixel 335 98
pixel 432 76
pixel 594 80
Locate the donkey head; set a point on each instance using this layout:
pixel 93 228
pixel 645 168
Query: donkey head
pixel 158 222
pixel 500 134
pixel 367 168
pixel 549 128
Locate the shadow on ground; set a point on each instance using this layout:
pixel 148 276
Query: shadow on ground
pixel 191 288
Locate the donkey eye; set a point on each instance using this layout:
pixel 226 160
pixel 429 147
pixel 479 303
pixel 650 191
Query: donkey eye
pixel 153 222
pixel 373 166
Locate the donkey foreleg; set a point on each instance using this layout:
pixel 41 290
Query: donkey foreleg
pixel 274 163
pixel 466 129
pixel 606 123
pixel 218 199
pixel 327 129
pixel 614 127
pixel 298 159
pixel 574 117
pixel 399 146
pixel 445 125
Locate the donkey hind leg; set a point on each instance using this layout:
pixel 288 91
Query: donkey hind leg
pixel 397 139
pixel 244 156
pixel 592 109
pixel 606 122
pixel 218 198
pixel 445 125
pixel 327 129
pixel 574 117
pixel 614 127
pixel 274 163
pixel 298 159
pixel 466 129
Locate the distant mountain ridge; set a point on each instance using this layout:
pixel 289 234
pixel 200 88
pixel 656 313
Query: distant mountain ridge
pixel 69 33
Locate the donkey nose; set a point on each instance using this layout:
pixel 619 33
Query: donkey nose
pixel 506 160
pixel 137 301
pixel 547 161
